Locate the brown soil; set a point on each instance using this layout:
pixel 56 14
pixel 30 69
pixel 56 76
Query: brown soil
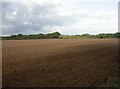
pixel 59 63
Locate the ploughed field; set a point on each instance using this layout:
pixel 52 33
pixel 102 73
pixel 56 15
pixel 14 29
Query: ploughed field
pixel 59 62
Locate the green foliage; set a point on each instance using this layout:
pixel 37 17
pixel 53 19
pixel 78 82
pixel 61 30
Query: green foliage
pixel 54 35
pixel 86 36
pixel 19 35
pixel 117 35
pixel 57 35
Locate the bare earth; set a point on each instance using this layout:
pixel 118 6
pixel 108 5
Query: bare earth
pixel 59 62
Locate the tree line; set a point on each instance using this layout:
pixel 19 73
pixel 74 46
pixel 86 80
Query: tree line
pixel 53 35
pixel 57 35
pixel 85 36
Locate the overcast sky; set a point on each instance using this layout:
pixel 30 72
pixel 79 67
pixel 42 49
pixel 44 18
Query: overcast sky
pixel 64 16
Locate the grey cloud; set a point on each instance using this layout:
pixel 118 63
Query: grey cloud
pixel 5 4
pixel 39 17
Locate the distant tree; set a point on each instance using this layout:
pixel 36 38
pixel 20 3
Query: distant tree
pixel 20 34
pixel 86 35
pixel 56 34
pixel 101 37
pixel 53 35
pixel 13 36
pixel 117 35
